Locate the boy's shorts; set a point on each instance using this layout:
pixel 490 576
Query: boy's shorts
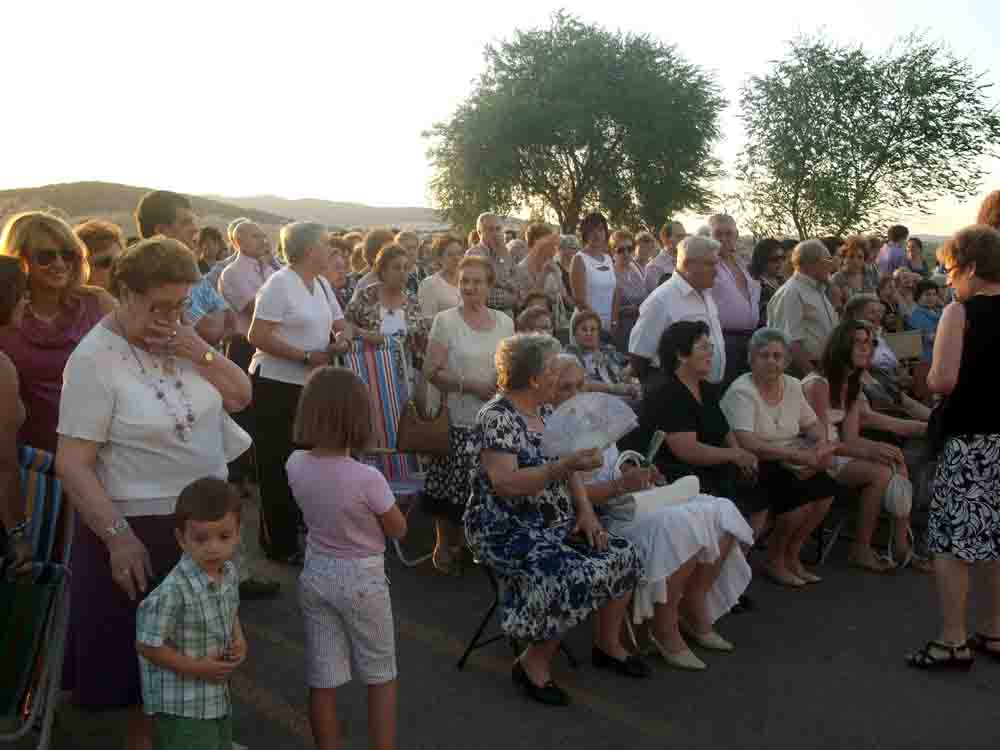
pixel 181 733
pixel 348 613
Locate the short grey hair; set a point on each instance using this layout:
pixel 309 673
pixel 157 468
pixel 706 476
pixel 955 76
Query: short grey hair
pixel 233 226
pixel 697 246
pixel 763 337
pixel 565 359
pixel 718 219
pixel 809 253
pixel 855 307
pixel 298 237
pixel 521 358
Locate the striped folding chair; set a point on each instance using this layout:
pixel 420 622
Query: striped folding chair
pixel 34 616
pixel 383 369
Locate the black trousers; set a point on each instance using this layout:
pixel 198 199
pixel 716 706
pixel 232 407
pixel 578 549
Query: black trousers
pixel 274 411
pixel 737 351
pixel 240 351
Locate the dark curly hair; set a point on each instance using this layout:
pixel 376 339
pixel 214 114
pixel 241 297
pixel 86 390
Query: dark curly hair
pixel 837 362
pixel 678 341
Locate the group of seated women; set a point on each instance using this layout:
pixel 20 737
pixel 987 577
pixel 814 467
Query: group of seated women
pixel 771 447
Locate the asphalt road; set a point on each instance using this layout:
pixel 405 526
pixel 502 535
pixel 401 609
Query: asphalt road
pixel 815 668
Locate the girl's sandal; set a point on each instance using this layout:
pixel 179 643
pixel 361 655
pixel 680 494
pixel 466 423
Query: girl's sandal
pixel 986 644
pixel 937 655
pixel 912 560
pixel 872 564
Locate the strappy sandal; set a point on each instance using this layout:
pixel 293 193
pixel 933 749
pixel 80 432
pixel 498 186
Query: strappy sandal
pixel 925 658
pixel 875 564
pixel 981 643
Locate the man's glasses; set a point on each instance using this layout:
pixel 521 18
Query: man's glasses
pixel 48 257
pixel 167 309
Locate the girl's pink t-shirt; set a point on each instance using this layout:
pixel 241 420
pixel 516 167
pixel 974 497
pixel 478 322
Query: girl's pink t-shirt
pixel 341 500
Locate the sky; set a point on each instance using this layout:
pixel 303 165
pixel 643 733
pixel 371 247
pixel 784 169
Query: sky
pixel 329 99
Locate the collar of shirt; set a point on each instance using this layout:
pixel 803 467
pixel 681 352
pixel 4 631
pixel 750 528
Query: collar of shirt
pixel 199 579
pixel 809 281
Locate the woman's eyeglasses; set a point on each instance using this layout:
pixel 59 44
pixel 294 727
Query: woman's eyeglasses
pixel 48 257
pixel 171 309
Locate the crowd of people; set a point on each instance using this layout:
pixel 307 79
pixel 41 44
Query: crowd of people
pixel 174 372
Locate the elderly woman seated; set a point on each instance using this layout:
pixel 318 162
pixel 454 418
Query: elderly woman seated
pixel 684 404
pixel 834 392
pixel 607 371
pixel 530 520
pixel 692 563
pixel 535 319
pixel 772 419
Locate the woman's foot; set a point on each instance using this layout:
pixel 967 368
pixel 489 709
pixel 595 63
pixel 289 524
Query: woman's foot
pixel 682 659
pixel 986 644
pixel 940 655
pixel 782 576
pixel 546 692
pixel 630 665
pixel 907 558
pixel 799 570
pixel 443 562
pixel 709 639
pixel 865 558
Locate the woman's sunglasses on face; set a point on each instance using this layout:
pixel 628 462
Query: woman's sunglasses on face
pixel 48 257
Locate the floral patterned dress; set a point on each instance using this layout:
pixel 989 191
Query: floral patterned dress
pixel 548 586
pixel 366 312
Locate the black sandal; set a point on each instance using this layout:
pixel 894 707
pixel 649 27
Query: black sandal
pixel 981 643
pixel 925 659
pixel 550 694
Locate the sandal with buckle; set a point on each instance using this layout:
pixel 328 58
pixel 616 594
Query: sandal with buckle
pixel 982 643
pixel 925 658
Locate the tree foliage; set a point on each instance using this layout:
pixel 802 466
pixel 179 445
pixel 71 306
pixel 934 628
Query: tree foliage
pixel 839 140
pixel 578 118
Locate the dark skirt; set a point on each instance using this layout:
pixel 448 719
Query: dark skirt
pixel 786 492
pixel 722 481
pixel 102 666
pixel 449 478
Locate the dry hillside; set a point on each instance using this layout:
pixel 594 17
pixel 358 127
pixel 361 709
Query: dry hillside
pixel 345 215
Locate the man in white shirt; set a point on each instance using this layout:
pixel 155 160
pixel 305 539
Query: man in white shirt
pixel 686 295
pixel 664 262
pixel 801 308
pixel 503 295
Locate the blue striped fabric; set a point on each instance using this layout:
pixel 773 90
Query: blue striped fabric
pixel 43 502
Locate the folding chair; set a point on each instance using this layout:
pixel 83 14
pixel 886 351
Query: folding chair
pixel 476 643
pixel 35 616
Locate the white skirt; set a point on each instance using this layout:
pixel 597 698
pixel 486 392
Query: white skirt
pixel 669 536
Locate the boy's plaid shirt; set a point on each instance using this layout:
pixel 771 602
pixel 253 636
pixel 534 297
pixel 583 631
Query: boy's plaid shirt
pixel 195 615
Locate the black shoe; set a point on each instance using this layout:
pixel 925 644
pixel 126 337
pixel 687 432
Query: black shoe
pixel 253 588
pixel 550 694
pixel 630 666
pixel 743 604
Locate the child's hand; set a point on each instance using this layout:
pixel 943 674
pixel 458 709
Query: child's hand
pixel 237 653
pixel 216 669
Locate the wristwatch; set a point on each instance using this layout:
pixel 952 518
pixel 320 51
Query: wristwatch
pixel 208 357
pixel 118 527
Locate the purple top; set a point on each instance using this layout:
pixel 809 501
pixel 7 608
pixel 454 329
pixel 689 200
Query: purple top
pixel 39 352
pixel 890 257
pixel 737 311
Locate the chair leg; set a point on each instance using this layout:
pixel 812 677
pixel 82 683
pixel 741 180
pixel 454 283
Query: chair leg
pixel 474 643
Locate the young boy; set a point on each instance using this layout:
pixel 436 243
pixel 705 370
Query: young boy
pixel 188 634
pixel 925 315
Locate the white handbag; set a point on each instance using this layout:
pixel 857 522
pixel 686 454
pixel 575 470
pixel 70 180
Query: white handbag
pixel 898 499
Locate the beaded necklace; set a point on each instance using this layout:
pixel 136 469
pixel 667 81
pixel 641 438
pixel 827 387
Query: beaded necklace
pixel 182 424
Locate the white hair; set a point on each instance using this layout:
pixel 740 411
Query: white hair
pixel 697 246
pixel 809 253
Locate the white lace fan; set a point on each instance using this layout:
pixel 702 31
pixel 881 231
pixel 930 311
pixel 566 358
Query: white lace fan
pixel 588 420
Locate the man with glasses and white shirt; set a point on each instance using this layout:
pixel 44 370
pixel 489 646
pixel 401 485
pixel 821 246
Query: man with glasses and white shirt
pixel 686 295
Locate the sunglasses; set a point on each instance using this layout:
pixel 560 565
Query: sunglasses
pixel 48 257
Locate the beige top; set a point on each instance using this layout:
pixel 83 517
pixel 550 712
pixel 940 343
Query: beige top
pixel 803 312
pixel 470 357
pixel 436 295
pixel 779 425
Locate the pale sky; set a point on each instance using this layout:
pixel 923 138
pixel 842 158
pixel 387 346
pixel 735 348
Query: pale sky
pixel 328 99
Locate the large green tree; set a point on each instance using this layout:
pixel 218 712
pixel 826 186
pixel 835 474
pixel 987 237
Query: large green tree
pixel 575 117
pixel 841 140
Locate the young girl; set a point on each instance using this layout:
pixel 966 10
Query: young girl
pixel 343 591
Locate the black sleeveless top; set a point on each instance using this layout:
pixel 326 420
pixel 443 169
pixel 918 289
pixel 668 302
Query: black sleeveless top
pixel 973 407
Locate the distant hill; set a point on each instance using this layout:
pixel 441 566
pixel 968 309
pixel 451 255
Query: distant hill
pixel 77 201
pixel 345 215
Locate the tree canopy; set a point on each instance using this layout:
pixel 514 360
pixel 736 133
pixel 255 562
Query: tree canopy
pixel 574 117
pixel 841 140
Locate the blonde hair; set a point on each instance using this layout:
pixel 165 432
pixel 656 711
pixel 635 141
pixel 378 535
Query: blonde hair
pixel 24 229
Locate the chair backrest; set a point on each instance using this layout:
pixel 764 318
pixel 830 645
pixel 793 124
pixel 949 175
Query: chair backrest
pixel 49 517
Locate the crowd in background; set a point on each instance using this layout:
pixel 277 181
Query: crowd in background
pixel 774 377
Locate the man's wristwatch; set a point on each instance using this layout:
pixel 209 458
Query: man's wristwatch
pixel 208 357
pixel 306 358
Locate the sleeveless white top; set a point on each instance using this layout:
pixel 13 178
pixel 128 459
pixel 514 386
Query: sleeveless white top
pixel 601 286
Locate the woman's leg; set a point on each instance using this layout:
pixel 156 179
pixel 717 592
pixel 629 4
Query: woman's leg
pixel 537 661
pixel 991 625
pixel 813 517
pixel 871 479
pixel 953 594
pixel 700 583
pixel 382 715
pixel 785 525
pixel 610 618
pixel 323 718
pixel 665 616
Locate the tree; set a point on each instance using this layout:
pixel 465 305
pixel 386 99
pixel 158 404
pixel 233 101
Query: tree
pixel 839 140
pixel 579 118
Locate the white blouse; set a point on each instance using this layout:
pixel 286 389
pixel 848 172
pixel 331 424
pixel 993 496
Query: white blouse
pixel 779 425
pixel 145 457
pixel 436 295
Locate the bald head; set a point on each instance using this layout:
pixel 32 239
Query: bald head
pixel 811 258
pixel 250 240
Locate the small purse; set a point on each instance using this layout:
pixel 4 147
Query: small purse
pixel 898 499
pixel 418 434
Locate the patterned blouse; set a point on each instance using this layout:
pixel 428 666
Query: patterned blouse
pixel 366 312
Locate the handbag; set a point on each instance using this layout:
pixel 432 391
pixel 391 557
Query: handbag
pixel 418 434
pixel 898 498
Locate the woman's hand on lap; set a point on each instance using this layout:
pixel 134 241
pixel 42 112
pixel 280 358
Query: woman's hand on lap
pixel 590 527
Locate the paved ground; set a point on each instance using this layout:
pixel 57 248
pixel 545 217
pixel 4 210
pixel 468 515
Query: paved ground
pixel 816 668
